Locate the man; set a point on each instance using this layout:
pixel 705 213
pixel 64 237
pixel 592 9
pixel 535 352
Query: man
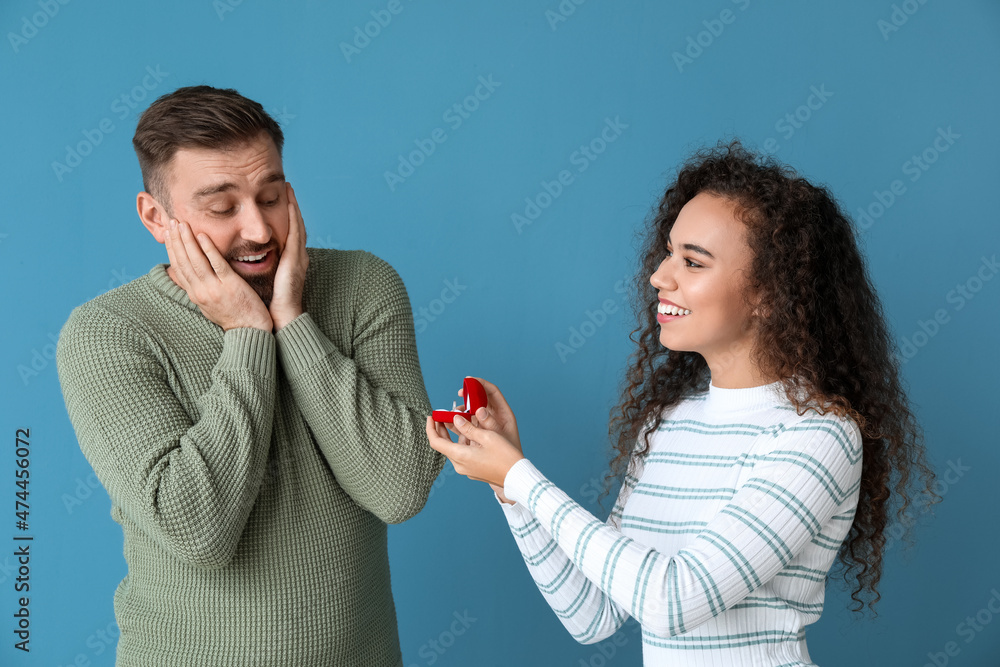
pixel 255 410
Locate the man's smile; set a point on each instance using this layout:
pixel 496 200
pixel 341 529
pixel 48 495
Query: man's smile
pixel 260 262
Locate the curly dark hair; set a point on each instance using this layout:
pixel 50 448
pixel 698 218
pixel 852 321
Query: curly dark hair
pixel 823 333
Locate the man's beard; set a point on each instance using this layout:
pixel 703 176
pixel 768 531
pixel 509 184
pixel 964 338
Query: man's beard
pixel 261 283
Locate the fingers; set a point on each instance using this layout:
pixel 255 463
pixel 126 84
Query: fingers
pixel 296 225
pixel 443 428
pixel 169 240
pixel 215 258
pixel 177 253
pixel 468 429
pixel 439 431
pixel 290 276
pixel 196 257
pixel 191 261
pixel 488 463
pixel 487 420
pixel 434 432
pixel 441 442
pixel 493 395
pixel 462 440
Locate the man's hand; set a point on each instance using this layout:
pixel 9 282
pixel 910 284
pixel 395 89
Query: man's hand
pixel 290 279
pixel 211 284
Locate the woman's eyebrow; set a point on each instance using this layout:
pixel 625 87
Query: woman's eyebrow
pixel 694 248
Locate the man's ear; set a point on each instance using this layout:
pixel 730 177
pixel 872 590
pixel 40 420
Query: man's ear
pixel 153 215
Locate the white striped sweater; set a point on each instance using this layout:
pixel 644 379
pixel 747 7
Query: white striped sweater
pixel 721 538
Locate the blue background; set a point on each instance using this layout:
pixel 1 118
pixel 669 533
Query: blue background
pixel 67 235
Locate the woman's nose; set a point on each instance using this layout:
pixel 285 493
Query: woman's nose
pixel 663 277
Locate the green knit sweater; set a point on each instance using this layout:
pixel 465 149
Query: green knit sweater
pixel 253 474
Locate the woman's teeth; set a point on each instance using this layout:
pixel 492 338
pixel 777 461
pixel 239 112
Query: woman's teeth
pixel 664 309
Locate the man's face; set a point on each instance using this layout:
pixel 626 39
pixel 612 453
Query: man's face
pixel 235 196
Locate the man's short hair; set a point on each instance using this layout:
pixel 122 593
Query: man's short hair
pixel 195 116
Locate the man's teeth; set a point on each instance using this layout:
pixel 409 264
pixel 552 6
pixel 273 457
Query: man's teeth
pixel 251 258
pixel 664 309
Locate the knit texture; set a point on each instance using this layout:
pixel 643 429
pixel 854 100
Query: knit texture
pixel 721 538
pixel 253 473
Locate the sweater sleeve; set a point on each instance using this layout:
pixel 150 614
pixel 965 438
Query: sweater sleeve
pixel 587 612
pixel 189 484
pixel 809 472
pixel 367 412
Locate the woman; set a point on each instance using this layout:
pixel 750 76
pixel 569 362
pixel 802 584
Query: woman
pixel 761 423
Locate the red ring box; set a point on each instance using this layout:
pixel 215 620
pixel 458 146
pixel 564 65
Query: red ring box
pixel 475 398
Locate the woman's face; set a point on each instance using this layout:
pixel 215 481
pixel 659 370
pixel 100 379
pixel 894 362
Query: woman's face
pixel 704 272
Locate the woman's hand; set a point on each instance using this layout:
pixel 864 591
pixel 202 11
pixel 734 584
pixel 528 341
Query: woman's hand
pixel 497 417
pixel 487 456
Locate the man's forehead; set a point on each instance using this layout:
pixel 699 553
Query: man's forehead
pixel 256 162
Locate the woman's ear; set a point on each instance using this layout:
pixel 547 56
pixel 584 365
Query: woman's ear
pixel 760 310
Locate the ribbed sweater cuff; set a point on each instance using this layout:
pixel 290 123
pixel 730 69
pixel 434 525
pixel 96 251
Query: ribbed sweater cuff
pixel 516 514
pixel 249 348
pixel 520 479
pixel 301 344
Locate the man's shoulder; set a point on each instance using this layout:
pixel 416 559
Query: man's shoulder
pixel 333 260
pixel 126 303
pixel 356 271
pixel 345 285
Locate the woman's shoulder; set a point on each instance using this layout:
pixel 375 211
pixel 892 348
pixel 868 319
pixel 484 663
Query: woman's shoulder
pixel 819 415
pixel 818 433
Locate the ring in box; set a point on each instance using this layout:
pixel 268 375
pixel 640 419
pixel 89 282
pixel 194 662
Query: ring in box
pixel 475 398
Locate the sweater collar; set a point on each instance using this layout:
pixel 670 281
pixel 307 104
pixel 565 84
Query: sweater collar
pixel 162 281
pixel 748 399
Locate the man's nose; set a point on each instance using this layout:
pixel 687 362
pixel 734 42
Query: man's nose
pixel 254 226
